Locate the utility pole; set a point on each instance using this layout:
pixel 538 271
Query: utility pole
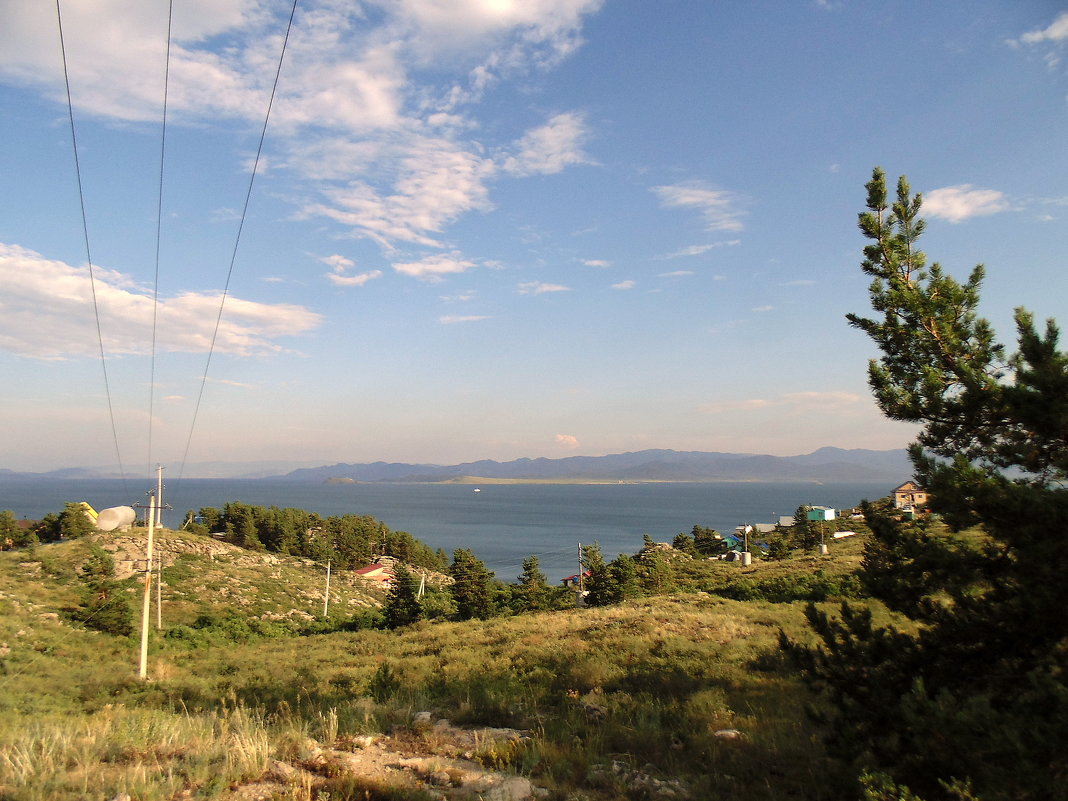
pixel 581 595
pixel 159 562
pixel 326 598
pixel 146 606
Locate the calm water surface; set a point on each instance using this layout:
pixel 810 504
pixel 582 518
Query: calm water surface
pixel 502 524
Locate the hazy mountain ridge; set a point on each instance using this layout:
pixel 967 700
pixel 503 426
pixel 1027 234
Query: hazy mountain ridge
pixel 825 464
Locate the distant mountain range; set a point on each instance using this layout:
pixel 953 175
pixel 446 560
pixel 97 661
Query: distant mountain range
pixel 825 464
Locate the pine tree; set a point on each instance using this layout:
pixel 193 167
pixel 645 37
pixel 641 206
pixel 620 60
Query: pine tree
pixel 708 541
pixel 471 586
pixel 104 607
pixel 803 533
pixel 402 606
pixel 534 586
pixel 74 522
pixel 979 693
pixel 598 582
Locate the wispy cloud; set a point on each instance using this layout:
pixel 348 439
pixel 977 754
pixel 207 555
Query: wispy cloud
pixel 597 262
pixel 550 148
pixel 450 319
pixel 46 311
pixel 539 288
pixel 799 401
pixel 624 285
pixel 800 282
pixel 676 274
pixel 1056 31
pixel 340 276
pixel 719 208
pixel 697 250
pixel 432 268
pixel 226 382
pixel 374 117
pixel 958 203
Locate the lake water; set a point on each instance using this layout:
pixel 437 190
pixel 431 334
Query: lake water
pixel 502 523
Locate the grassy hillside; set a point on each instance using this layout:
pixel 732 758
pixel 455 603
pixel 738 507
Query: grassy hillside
pixel 678 696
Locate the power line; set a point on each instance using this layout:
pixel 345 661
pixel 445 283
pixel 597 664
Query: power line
pixel 237 240
pixel 88 255
pixel 159 227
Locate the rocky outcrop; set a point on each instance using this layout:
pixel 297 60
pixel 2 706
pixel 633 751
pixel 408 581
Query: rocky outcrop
pixel 438 758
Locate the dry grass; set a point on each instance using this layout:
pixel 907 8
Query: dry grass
pixel 647 685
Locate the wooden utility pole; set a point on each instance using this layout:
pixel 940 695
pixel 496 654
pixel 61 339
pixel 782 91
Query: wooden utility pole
pixel 326 598
pixel 146 606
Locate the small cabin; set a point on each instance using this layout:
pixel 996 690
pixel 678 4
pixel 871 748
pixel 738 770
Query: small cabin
pixel 910 496
pixel 820 514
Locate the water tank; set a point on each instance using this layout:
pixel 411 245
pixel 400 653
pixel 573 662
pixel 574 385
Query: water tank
pixel 116 517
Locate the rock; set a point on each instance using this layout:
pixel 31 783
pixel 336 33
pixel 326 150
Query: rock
pixel 282 771
pixel 727 734
pixel 515 788
pixel 121 797
pixel 440 778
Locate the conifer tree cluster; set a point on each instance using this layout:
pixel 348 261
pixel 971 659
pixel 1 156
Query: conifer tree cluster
pixel 972 701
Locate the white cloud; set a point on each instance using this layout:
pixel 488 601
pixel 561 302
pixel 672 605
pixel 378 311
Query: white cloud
pixel 353 280
pixel 436 182
pixel 46 311
pixel 958 203
pixel 597 262
pixel 676 274
pixel 338 262
pixel 538 288
pixel 340 267
pixel 1056 31
pixel 718 207
pixel 432 268
pixel 763 308
pixel 697 250
pixel 567 440
pixel 800 282
pixel 550 148
pixel 624 285
pixel 370 114
pixel 449 319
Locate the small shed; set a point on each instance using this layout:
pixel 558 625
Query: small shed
pixel 820 514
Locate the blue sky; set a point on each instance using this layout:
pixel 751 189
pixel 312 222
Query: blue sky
pixel 493 228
